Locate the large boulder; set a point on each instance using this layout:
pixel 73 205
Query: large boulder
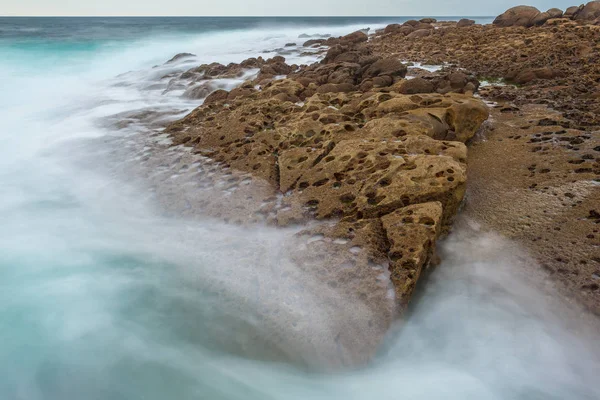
pixel 555 13
pixel 392 28
pixel 463 23
pixel 386 67
pixel 572 11
pixel 354 38
pixel 541 19
pixel 415 86
pixel 590 12
pixel 517 16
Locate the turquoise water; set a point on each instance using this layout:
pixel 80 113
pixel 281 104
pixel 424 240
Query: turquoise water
pixel 105 296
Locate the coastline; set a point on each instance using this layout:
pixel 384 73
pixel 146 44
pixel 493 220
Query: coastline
pixel 382 44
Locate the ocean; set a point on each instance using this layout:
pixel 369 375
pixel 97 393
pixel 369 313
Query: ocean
pixel 107 295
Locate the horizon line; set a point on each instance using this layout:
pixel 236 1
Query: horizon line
pixel 243 16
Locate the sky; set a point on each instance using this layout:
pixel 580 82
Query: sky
pixel 269 7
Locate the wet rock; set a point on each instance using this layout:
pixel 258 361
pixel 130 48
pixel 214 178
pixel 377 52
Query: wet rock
pixel 180 56
pixel 217 95
pixel 199 91
pixel 313 42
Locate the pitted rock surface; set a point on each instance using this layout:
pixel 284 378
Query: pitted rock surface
pixel 342 141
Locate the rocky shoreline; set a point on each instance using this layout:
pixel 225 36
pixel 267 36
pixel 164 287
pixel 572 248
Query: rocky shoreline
pixel 376 148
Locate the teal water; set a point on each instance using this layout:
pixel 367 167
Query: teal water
pixel 104 296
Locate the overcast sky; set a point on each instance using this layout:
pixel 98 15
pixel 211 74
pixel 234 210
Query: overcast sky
pixel 269 7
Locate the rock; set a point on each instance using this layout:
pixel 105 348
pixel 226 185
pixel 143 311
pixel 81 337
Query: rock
pixel 217 95
pixel 590 12
pixel 463 23
pixel 290 44
pixel 571 11
pixel 392 28
pixel 416 227
pixel 422 25
pixel 336 88
pixel 555 13
pixel 354 38
pixel 386 67
pixel 360 159
pixel 541 18
pixel 517 16
pixel 525 76
pixel 466 118
pixel 419 33
pixel 199 92
pixel 428 20
pixel 415 85
pixel 411 22
pixel 313 42
pixel 180 56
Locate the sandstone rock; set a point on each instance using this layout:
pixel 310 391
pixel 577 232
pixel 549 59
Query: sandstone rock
pixel 555 13
pixel 354 38
pixel 199 92
pixel 336 88
pixel 465 22
pixel 590 12
pixel 517 16
pixel 525 76
pixel 415 85
pixel 466 118
pixel 217 95
pixel 411 232
pixel 572 11
pixel 411 22
pixel 428 20
pixel 392 28
pixel 419 33
pixel 387 66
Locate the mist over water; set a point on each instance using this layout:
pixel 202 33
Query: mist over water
pixel 106 295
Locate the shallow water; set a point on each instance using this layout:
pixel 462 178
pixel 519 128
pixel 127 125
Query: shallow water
pixel 105 295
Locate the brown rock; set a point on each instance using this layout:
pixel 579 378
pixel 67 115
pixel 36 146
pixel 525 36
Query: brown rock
pixel 589 12
pixel 419 33
pixel 517 16
pixel 336 88
pixel 392 28
pixel 199 92
pixel 313 42
pixel 217 95
pixel 355 38
pixel 571 11
pixel 411 232
pixel 466 118
pixel 463 23
pixel 411 22
pixel 387 66
pixel 415 85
